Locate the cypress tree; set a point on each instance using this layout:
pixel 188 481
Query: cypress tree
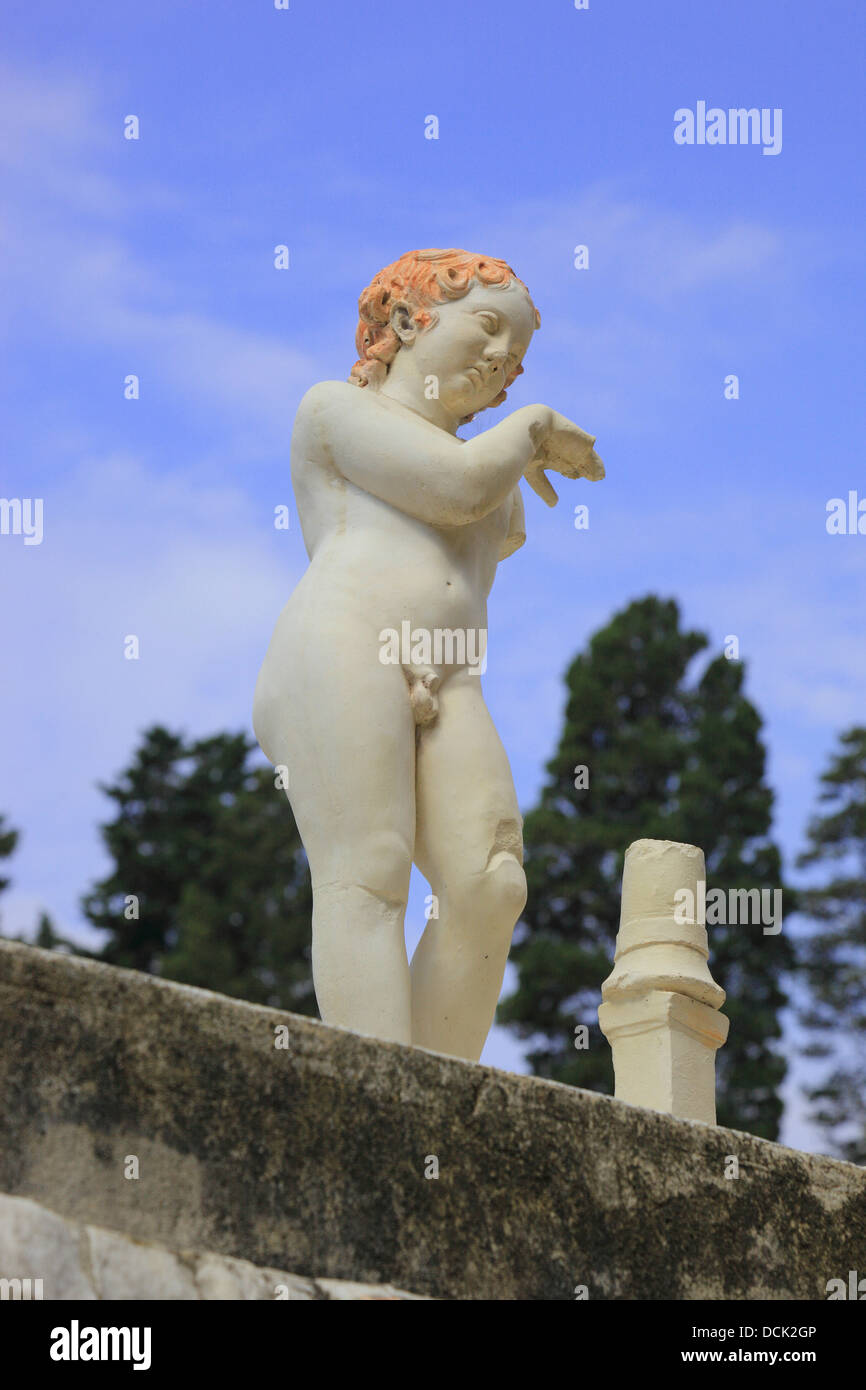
pixel 833 950
pixel 209 882
pixel 645 751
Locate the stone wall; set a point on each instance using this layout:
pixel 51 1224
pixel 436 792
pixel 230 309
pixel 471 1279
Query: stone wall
pixel 46 1256
pixel 318 1157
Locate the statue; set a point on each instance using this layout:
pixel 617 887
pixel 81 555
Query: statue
pixel 369 694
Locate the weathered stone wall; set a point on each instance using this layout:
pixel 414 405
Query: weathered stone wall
pixel 46 1256
pixel 313 1158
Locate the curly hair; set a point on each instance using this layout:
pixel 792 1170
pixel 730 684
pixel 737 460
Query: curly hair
pixel 420 280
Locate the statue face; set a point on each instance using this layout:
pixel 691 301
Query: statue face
pixel 473 347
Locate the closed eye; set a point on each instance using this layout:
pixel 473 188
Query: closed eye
pixel 490 321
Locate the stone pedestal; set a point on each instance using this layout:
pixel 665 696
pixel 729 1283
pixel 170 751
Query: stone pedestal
pixel 660 1003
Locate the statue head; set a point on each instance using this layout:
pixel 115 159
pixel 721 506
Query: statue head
pixel 481 354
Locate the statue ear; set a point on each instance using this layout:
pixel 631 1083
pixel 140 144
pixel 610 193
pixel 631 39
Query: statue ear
pixel 401 322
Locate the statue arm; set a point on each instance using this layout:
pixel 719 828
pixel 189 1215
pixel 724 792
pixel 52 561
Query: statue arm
pixel 424 472
pixel 516 535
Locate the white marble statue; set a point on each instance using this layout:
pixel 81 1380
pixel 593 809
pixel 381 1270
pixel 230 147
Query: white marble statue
pixel 370 692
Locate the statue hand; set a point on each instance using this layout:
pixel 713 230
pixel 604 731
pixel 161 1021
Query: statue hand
pixel 565 449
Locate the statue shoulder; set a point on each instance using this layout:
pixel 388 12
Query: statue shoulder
pixel 327 399
pixel 325 394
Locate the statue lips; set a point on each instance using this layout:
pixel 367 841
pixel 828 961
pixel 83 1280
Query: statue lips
pixel 481 375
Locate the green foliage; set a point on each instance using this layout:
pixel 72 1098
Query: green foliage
pixel 46 937
pixel 8 841
pixel 209 884
pixel 666 760
pixel 833 953
pixel 50 940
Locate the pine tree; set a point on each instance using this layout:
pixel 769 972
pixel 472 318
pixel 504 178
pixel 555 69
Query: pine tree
pixel 45 935
pixel 643 753
pixel 833 951
pixel 48 939
pixel 8 841
pixel 209 883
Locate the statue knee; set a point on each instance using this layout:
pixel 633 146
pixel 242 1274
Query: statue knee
pixel 382 864
pixel 505 883
pixel 494 898
pixel 504 876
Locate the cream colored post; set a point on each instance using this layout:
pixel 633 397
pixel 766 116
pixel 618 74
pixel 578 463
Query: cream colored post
pixel 660 1010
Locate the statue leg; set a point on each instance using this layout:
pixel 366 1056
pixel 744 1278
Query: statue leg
pixel 469 847
pixel 342 725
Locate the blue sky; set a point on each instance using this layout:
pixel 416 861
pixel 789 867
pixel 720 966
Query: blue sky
pixel 306 128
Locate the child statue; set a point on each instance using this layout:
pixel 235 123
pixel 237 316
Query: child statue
pixel 390 751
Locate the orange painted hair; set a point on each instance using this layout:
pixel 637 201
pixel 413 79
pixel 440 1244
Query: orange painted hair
pixel 421 280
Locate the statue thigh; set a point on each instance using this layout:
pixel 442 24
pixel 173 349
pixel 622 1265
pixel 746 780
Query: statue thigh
pixel 342 726
pixel 469 842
